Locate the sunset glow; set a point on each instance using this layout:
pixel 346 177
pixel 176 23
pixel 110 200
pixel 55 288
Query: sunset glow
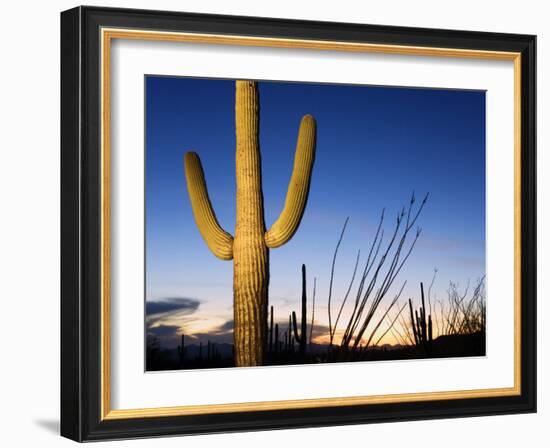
pixel 375 146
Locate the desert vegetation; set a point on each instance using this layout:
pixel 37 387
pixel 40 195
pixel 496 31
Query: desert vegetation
pixel 371 321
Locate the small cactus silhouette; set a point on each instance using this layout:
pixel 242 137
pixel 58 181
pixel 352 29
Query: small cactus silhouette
pixel 276 341
pixel 422 326
pixel 301 337
pixel 271 330
pixel 249 249
pixel 182 350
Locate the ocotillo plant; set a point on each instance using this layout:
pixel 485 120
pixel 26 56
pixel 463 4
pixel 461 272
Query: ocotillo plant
pixel 301 337
pixel 312 312
pixel 382 267
pixel 464 315
pixel 249 248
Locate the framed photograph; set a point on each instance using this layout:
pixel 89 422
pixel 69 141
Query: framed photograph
pixel 274 224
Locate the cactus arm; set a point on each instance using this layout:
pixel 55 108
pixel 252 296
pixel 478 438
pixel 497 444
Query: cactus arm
pixel 298 188
pixel 413 322
pixel 295 326
pixel 218 240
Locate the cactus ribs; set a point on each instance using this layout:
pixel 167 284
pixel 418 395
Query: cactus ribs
pixel 249 248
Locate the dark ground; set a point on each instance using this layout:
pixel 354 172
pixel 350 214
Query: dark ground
pixel 221 355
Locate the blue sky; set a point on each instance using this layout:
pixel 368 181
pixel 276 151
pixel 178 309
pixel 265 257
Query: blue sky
pixel 375 145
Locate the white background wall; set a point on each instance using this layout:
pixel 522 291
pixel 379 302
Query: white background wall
pixel 29 220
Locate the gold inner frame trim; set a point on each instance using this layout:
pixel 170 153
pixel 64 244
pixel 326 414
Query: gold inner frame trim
pixel 107 35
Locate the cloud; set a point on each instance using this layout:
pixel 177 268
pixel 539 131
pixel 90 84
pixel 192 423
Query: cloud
pixel 319 330
pixel 164 331
pixel 225 328
pixel 161 314
pixel 158 311
pixel 183 305
pixel 218 338
pixel 221 334
pixel 168 318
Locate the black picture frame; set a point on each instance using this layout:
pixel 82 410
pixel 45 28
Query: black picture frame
pixel 81 224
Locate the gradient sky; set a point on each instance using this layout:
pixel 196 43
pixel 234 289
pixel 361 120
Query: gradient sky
pixel 375 145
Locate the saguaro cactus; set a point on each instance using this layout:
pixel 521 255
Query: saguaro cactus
pixel 249 249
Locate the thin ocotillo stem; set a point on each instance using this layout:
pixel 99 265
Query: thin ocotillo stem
pixel 392 323
pixel 312 311
pixel 332 279
pixel 347 292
